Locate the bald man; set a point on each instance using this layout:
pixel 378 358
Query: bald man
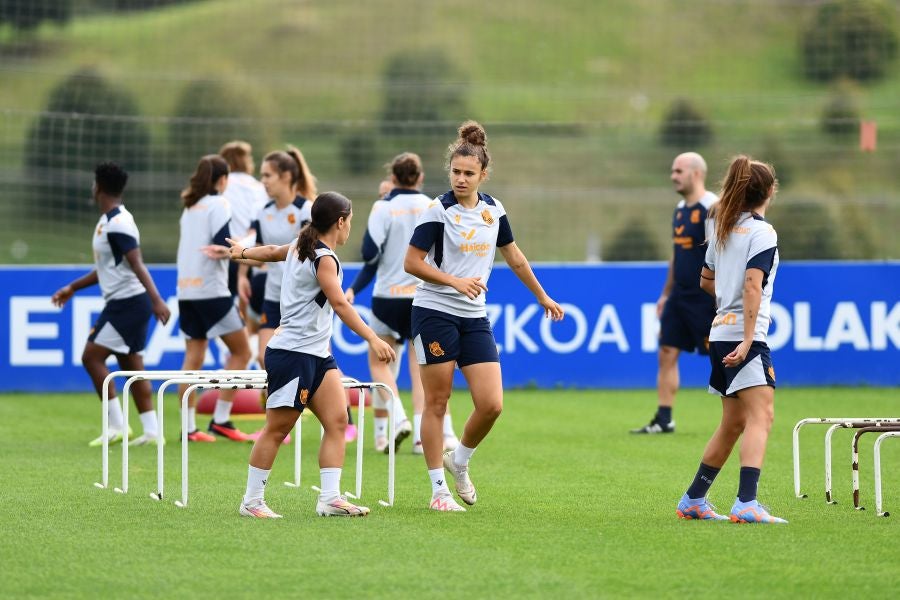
pixel 684 310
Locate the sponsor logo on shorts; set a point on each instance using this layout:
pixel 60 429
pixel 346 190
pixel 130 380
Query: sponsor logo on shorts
pixel 262 319
pixel 772 372
pixel 304 394
pixel 486 215
pixel 435 349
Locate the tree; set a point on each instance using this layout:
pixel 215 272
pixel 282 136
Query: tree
pixel 684 127
pixel 25 15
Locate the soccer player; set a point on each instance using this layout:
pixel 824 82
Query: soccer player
pixel 391 225
pixel 301 370
pixel 206 307
pixel 452 251
pixel 741 262
pixel 684 311
pixel 131 299
pixel 288 183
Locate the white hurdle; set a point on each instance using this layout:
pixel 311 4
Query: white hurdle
pixel 825 421
pixel 878 442
pixel 104 407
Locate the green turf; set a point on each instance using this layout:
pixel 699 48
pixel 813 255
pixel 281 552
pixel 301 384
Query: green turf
pixel 569 504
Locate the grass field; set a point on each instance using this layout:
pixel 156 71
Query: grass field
pixel 569 504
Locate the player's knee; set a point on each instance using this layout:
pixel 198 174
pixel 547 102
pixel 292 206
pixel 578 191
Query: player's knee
pixel 668 356
pixel 491 410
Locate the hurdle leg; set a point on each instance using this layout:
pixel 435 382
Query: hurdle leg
pixel 360 436
pixel 878 505
pixel 392 433
pixel 796 448
pixel 184 448
pixel 828 435
pixel 298 428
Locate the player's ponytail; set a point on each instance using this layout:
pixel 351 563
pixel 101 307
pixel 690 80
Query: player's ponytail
pixel 305 181
pixel 327 209
pixel 471 141
pixel 748 184
pixel 210 170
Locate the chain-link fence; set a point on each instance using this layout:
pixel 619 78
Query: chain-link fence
pixel 585 104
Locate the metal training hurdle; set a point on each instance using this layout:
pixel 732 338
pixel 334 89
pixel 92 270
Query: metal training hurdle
pixel 855 457
pixel 878 442
pixel 828 446
pixel 826 421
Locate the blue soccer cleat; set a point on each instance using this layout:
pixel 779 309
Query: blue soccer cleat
pixel 752 512
pixel 699 509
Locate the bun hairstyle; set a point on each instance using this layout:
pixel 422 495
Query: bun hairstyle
pixel 471 141
pixel 239 156
pixel 210 170
pixel 327 208
pixel 748 184
pixel 292 161
pixel 406 169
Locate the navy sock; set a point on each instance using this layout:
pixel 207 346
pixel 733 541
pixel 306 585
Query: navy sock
pixel 749 481
pixel 704 478
pixel 664 415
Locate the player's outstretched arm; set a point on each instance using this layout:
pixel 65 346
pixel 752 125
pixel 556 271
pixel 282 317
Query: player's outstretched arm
pixel 62 295
pixel 519 264
pixel 160 308
pixel 257 254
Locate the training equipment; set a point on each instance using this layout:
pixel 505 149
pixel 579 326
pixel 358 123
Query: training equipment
pixel 246 402
pixel 827 421
pixel 855 457
pixel 353 395
pixel 465 489
pixel 877 450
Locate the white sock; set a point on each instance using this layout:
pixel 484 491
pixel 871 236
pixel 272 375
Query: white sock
pixel 438 481
pixel 223 411
pixel 148 420
pixel 114 410
pixel 256 483
pixel 462 455
pixel 331 483
pixel 192 419
pixel 399 413
pixel 381 424
pixel 448 425
pixel 417 428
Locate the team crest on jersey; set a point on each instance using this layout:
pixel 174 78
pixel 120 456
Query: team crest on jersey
pixel 772 372
pixel 99 229
pixel 486 215
pixel 292 218
pixel 695 215
pixel 435 349
pixel 304 394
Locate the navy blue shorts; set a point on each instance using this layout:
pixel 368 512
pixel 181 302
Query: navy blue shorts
pixel 294 377
pixel 207 319
pixel 232 277
pixel 122 326
pixel 686 320
pixel 270 317
pixel 440 337
pixel 257 291
pixel 396 313
pixel 754 371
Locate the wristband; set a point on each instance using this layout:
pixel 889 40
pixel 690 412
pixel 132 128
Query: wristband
pixel 242 254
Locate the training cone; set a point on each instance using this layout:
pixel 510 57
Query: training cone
pixel 246 402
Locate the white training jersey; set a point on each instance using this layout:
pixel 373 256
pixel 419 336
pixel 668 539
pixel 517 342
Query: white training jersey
pixel 461 242
pixel 752 243
pixel 116 234
pixel 280 226
pixel 246 196
pixel 391 225
pixel 306 314
pixel 205 223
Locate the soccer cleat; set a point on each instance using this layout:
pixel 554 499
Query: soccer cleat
pixel 146 439
pixel 417 448
pixel 699 509
pixel 381 443
pixel 340 507
pixel 450 441
pixel 228 430
pixel 401 432
pixel 113 435
pixel 200 436
pixel 350 433
pixel 444 502
pixel 752 512
pixel 258 510
pixel 464 486
pixel 656 427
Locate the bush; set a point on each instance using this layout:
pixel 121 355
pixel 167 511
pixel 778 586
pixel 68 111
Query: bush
pixel 805 229
pixel 850 38
pixel 634 241
pixel 358 150
pixel 208 114
pixel 86 121
pixel 684 127
pixel 421 89
pixel 841 115
pixel 28 14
